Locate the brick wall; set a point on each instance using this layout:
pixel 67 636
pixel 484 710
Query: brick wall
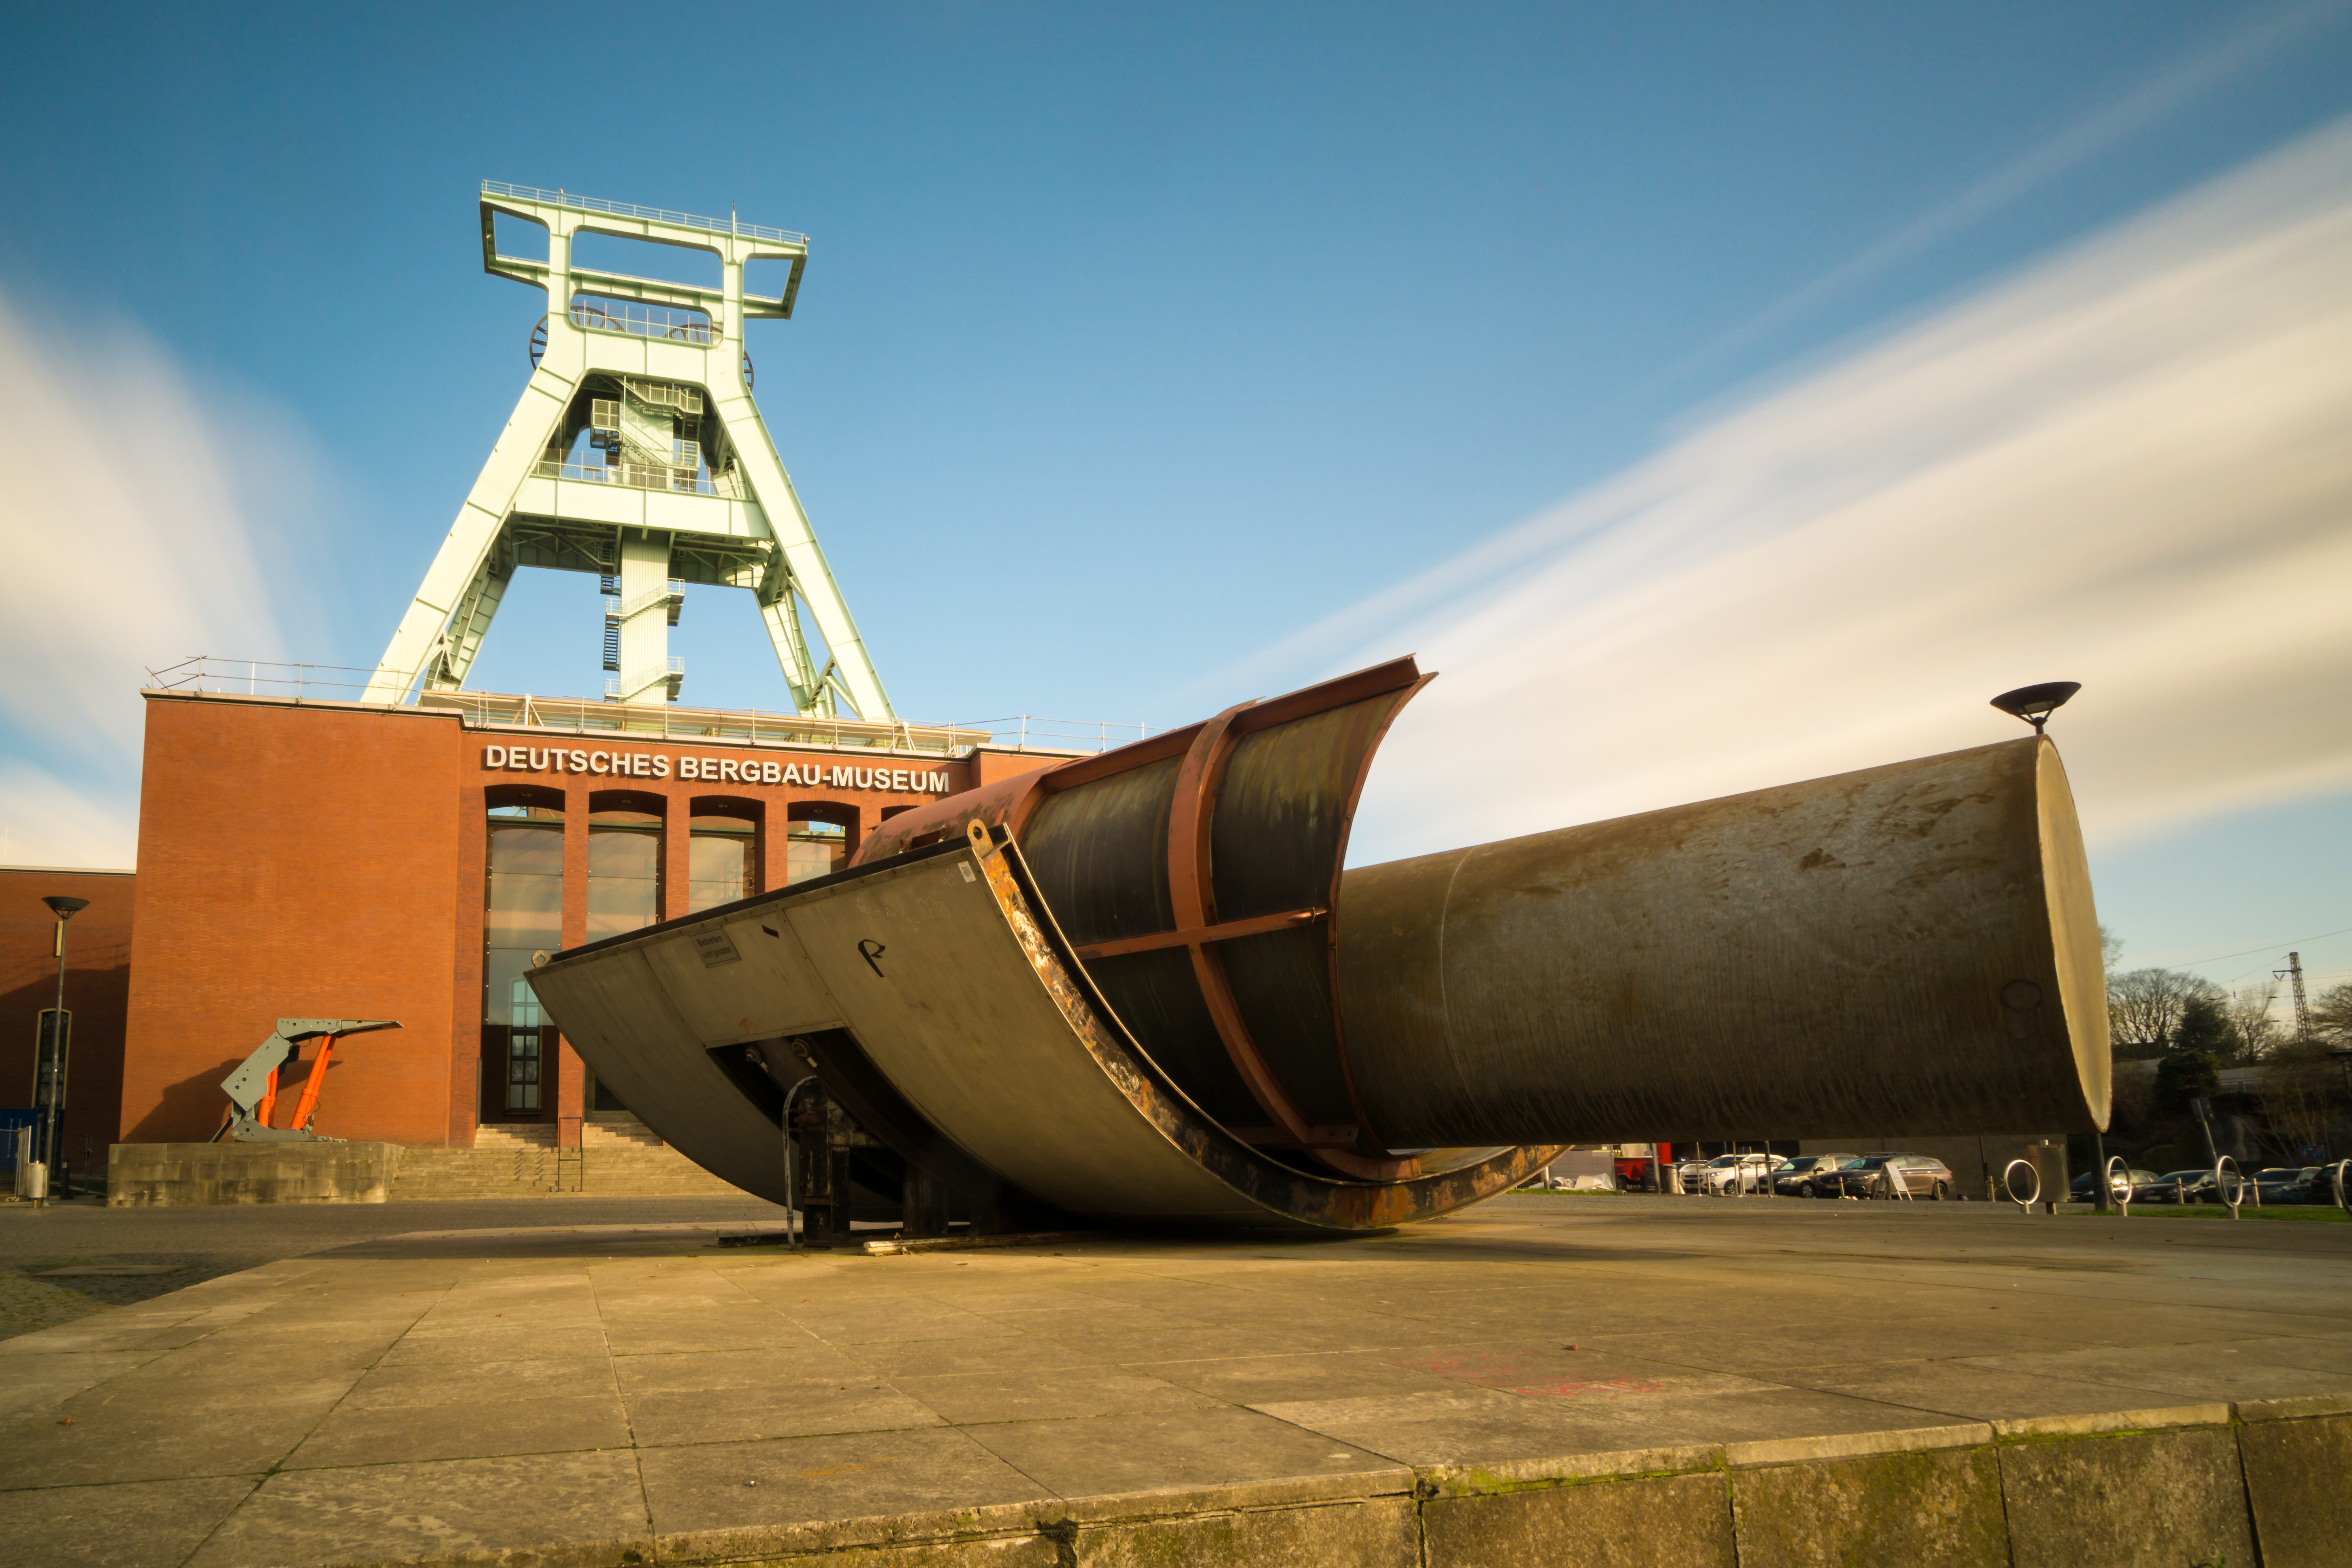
pixel 295 862
pixel 327 860
pixel 97 984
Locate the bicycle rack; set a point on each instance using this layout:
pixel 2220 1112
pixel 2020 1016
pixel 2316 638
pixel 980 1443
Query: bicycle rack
pixel 2343 1178
pixel 2008 1187
pixel 2233 1192
pixel 2123 1197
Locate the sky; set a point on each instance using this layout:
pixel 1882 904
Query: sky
pixel 1715 397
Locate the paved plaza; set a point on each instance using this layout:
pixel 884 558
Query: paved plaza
pixel 591 1389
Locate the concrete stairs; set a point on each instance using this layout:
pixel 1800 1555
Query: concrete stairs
pixel 615 1159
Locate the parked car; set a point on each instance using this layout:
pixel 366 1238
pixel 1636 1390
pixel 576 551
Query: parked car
pixel 2137 1181
pixel 1921 1175
pixel 2293 1184
pixel 1800 1177
pixel 1730 1174
pixel 2192 1186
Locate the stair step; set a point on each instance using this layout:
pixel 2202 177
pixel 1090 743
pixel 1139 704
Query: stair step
pixel 613 1159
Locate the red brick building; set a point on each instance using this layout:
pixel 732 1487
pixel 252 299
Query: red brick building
pixel 330 860
pixel 98 990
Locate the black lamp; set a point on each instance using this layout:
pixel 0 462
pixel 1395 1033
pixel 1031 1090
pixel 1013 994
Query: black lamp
pixel 46 1130
pixel 2035 704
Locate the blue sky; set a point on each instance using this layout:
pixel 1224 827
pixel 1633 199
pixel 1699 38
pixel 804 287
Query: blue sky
pixel 1132 342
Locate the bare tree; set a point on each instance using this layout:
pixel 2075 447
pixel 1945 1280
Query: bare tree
pixel 2300 1095
pixel 2143 1005
pixel 2254 1034
pixel 2331 1015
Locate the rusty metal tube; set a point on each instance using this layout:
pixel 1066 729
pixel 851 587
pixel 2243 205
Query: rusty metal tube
pixel 1900 951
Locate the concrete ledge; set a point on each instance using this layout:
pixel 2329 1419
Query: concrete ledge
pixel 1529 1475
pixel 2110 1421
pixel 1854 1444
pixel 2116 1495
pixel 2295 1409
pixel 162 1175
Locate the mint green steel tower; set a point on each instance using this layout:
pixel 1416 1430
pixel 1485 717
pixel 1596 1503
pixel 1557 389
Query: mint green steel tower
pixel 637 453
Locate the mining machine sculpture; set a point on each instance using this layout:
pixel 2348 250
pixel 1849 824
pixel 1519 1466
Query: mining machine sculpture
pixel 1139 987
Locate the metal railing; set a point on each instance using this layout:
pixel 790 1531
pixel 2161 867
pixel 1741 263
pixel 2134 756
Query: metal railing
pixel 497 710
pixel 213 677
pixel 648 215
pixel 641 476
pixel 1024 731
pixel 670 672
pixel 643 321
pixel 261 677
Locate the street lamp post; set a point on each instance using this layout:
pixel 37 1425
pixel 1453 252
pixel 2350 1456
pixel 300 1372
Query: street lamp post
pixel 50 1056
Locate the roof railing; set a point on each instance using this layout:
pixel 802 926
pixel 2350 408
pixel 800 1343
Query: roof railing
pixel 648 215
pixel 204 674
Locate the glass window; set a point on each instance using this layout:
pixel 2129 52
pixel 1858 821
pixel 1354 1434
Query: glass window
pixel 522 915
pixel 625 866
pixel 724 861
pixel 624 872
pixel 815 849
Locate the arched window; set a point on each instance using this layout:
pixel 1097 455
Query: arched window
pixel 822 836
pixel 522 915
pixel 624 872
pixel 723 840
pixel 625 866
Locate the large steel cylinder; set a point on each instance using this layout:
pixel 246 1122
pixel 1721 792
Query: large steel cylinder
pixel 1138 985
pixel 1904 951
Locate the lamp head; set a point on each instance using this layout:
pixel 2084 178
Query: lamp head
pixel 2035 704
pixel 63 907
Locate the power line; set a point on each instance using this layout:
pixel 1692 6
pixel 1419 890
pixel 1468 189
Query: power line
pixel 2266 947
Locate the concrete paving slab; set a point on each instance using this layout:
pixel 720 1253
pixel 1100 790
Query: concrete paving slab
pixel 524 1340
pixel 462 1426
pixel 705 1372
pixel 1219 1445
pixel 785 1410
pixel 1964 1389
pixel 2219 1371
pixel 1057 1395
pixel 933 1358
pixel 1477 1381
pixel 553 1509
pixel 1325 1374
pixel 139 1524
pixel 806 1493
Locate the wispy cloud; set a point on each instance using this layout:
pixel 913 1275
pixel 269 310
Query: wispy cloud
pixel 143 522
pixel 2108 127
pixel 2129 468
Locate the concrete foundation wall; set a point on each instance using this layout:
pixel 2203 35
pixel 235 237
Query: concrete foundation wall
pixel 171 1175
pixel 179 1176
pixel 2257 1482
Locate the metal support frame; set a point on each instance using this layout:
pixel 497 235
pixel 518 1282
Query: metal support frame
pixel 756 537
pixel 252 1088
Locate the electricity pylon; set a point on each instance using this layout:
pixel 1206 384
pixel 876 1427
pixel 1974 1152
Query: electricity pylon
pixel 637 453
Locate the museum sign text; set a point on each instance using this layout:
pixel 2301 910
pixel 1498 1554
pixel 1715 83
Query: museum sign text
pixel 711 770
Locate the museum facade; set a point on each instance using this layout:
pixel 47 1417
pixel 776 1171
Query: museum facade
pixel 301 858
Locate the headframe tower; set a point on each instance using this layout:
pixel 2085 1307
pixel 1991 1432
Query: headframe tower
pixel 637 453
